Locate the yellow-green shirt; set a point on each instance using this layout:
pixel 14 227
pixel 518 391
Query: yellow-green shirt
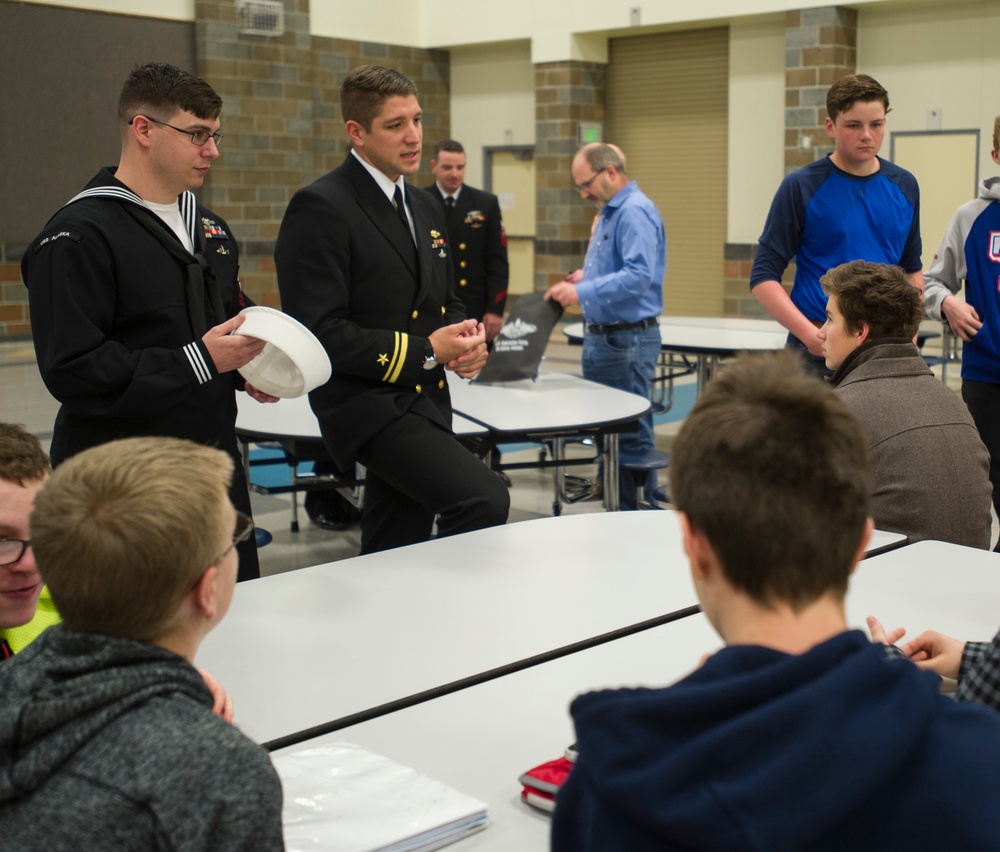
pixel 18 638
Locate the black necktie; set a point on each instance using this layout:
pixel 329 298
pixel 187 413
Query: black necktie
pixel 397 200
pixel 450 201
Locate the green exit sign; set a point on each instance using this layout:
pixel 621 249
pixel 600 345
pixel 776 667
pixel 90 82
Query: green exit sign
pixel 590 131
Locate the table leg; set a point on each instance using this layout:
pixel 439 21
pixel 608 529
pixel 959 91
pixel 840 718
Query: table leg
pixel 611 495
pixel 558 472
pixel 703 370
pixel 295 496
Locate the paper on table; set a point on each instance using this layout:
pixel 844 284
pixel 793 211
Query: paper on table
pixel 342 798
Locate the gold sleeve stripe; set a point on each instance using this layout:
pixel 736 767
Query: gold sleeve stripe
pixel 398 358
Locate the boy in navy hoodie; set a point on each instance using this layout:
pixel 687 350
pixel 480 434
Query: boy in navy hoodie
pixel 799 734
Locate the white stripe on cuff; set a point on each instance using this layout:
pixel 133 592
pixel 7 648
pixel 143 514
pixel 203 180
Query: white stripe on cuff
pixel 197 361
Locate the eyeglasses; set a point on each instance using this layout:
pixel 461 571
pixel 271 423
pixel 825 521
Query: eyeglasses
pixel 585 186
pixel 243 531
pixel 198 137
pixel 12 549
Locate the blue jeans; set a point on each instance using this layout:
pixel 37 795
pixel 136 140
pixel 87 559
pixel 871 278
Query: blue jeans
pixel 626 360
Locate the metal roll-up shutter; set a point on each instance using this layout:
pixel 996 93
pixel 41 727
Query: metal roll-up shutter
pixel 668 108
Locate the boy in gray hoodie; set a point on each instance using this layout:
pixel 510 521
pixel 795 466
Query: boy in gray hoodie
pixel 107 736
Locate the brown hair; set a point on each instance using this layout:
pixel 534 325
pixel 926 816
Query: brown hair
pixel 160 90
pixel 22 459
pixel 123 531
pixel 449 145
pixel 366 88
pixel 772 468
pixel 996 133
pixel 851 89
pixel 877 294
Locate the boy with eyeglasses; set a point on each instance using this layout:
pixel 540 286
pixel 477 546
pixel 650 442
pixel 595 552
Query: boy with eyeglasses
pixel 133 288
pixel 26 608
pixel 107 735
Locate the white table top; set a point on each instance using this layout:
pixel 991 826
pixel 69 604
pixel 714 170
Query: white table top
pixel 304 648
pixel 930 585
pixel 479 740
pixel 554 402
pixel 727 323
pixel 723 336
pixel 293 418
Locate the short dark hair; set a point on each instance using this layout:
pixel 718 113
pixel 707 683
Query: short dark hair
pixel 449 145
pixel 877 294
pixel 366 88
pixel 22 459
pixel 996 133
pixel 849 90
pixel 163 89
pixel 772 467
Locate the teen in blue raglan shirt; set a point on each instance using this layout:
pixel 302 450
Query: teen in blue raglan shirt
pixel 851 205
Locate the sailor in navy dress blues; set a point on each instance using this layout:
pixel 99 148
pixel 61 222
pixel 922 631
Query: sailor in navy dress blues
pixel 133 289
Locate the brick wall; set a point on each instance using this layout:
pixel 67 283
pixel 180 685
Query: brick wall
pixel 820 48
pixel 737 298
pixel 282 123
pixel 566 93
pixel 14 322
pixel 282 126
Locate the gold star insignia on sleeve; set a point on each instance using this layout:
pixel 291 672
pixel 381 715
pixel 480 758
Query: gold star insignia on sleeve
pixel 383 359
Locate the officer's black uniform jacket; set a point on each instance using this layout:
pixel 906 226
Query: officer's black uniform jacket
pixel 349 271
pixel 478 250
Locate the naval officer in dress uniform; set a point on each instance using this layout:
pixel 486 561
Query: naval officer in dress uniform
pixel 363 261
pixel 478 242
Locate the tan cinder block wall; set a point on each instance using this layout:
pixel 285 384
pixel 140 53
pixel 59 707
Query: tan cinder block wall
pixel 820 48
pixel 14 322
pixel 566 93
pixel 282 123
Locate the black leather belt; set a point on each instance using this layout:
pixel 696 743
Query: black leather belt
pixel 594 328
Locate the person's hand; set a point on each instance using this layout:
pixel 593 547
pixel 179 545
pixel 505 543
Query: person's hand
pixel 471 363
pixel 813 343
pixel 223 705
pixel 575 277
pixel 468 364
pixel 936 652
pixel 879 634
pixel 229 350
pixel 492 323
pixel 563 293
pixel 962 317
pixel 258 395
pixel 452 341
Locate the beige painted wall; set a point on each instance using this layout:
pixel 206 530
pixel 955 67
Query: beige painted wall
pixel 553 26
pixel 177 10
pixel 928 54
pixel 944 56
pixel 756 124
pixel 380 21
pixel 492 91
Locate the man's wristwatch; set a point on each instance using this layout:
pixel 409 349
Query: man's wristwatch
pixel 430 362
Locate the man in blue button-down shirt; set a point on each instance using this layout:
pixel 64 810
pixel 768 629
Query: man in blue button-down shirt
pixel 619 289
